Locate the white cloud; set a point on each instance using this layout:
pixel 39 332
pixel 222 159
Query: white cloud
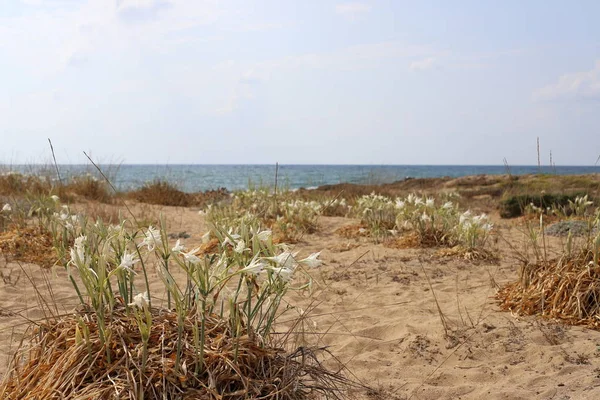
pixel 424 64
pixel 352 10
pixel 576 86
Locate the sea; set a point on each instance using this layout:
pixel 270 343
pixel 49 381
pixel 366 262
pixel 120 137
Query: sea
pixel 196 178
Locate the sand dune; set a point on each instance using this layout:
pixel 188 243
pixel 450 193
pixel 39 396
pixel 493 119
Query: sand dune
pixel 375 307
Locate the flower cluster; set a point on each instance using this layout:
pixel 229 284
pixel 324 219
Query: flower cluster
pixel 106 257
pixel 337 207
pixel 291 217
pixel 432 222
pixel 473 230
pixel 377 212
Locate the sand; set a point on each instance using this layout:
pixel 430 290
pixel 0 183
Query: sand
pixel 375 308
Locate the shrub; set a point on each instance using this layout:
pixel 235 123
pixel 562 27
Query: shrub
pixel 515 206
pixel 161 193
pixel 17 184
pixel 84 186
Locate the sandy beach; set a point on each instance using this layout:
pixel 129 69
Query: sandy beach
pixel 409 323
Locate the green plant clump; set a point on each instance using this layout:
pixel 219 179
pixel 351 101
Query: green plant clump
pixel 515 206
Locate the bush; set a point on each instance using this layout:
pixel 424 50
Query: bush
pixel 162 193
pixel 12 183
pixel 88 187
pixel 514 206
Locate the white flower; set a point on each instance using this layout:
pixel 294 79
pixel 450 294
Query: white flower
pixel 264 236
pixel 152 238
pixel 140 300
pixel 311 261
pixel 55 198
pixel 179 247
pixel 80 240
pixel 231 238
pixel 429 202
pixel 425 217
pixel 285 274
pixel 191 256
pixel 465 216
pixel 240 247
pixel 78 251
pixel 7 208
pixel 284 260
pixel 127 261
pixel 400 204
pixel 448 205
pixel 255 267
pixel 478 219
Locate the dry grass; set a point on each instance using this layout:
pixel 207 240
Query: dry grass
pixel 567 289
pixel 166 194
pixel 469 254
pixel 413 239
pixel 64 359
pixel 31 245
pixel 353 231
pixel 210 247
pixel 161 193
pixel 84 186
pixel 14 184
pixel 87 187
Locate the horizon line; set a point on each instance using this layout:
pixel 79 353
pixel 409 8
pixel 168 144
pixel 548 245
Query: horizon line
pixel 303 164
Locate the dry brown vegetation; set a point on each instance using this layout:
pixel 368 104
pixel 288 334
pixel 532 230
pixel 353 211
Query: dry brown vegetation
pixel 29 245
pixel 167 194
pixel 567 289
pixel 230 367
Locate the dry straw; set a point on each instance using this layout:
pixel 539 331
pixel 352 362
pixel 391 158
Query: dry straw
pixel 67 360
pixel 566 287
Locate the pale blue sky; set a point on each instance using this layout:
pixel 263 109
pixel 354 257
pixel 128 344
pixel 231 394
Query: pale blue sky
pixel 312 81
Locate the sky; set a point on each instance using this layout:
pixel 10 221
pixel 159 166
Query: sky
pixel 300 82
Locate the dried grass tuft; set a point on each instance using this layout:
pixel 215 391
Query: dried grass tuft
pixel 353 231
pixel 567 289
pixel 30 245
pixel 469 254
pixel 162 193
pixel 211 247
pixel 61 362
pixel 167 194
pixel 413 239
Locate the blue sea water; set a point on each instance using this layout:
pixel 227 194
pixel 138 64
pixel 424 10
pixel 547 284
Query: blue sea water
pixel 194 178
